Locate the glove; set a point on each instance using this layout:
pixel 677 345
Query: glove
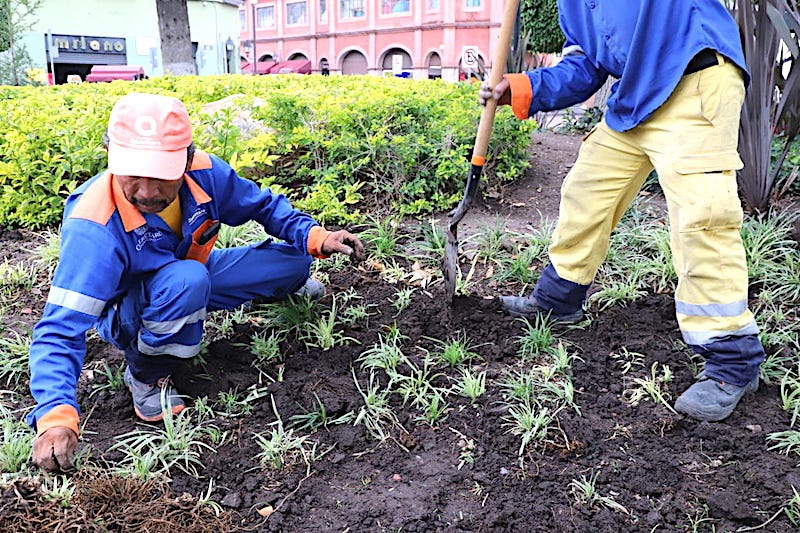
pixel 343 242
pixel 54 450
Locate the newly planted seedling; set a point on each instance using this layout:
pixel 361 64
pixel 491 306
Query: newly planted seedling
pixel 323 333
pixel 536 338
pixel 386 353
pixel 585 492
pixel 402 299
pixel 471 385
pixel 382 237
pixel 250 232
pixel 456 351
pixel 266 349
pixel 280 447
pixel 376 414
pixel 790 395
pixel 16 443
pixel 14 348
pixel 650 387
pixel 628 360
pixel 114 379
pixel 178 444
pixel 529 421
pixel 58 488
pixel 416 387
pixel 46 254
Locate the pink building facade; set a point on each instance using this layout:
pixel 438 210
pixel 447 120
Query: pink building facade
pixel 409 38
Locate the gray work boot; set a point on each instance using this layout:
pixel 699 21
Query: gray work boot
pixel 312 289
pixel 526 306
pixel 147 398
pixel 711 400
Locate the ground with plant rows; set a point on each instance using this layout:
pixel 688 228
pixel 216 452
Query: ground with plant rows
pixel 385 408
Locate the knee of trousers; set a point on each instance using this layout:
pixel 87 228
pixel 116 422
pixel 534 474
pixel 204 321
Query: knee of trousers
pixel 184 283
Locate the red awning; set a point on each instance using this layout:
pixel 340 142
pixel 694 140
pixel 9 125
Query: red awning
pixel 296 66
pixel 115 72
pixel 262 67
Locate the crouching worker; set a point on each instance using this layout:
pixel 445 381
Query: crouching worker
pixel 136 262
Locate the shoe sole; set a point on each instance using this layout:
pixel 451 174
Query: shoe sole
pixel 158 418
pixel 155 418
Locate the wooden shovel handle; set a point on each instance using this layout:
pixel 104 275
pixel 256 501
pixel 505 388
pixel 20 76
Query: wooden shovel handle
pixel 498 69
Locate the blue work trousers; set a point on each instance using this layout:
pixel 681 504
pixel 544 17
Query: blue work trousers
pixel 160 320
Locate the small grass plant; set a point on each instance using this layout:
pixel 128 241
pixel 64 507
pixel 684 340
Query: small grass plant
pixel 16 441
pixel 471 384
pixel 537 336
pixel 382 237
pixel 585 492
pixel 376 413
pixel 651 386
pixel 113 381
pixel 326 331
pixel 281 447
pixel 14 349
pixel 154 450
pixel 456 351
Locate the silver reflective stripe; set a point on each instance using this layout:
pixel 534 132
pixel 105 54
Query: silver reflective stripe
pixel 174 326
pixel 732 309
pixel 573 50
pixel 75 301
pixel 701 338
pixel 176 350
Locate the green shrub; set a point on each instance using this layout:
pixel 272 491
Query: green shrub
pixel 335 145
pixel 539 20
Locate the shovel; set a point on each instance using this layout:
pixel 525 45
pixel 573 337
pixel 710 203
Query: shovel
pixel 449 266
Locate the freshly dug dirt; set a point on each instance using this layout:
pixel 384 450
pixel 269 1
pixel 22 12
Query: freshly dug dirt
pixel 463 473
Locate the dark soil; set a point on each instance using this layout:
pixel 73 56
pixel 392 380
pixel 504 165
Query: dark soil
pixel 669 473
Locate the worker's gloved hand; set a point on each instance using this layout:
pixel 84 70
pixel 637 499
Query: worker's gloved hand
pixel 54 450
pixel 343 242
pixel 501 93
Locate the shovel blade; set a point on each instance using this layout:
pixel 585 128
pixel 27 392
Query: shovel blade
pixel 449 266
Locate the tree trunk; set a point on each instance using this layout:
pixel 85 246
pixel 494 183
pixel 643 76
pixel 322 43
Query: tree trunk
pixel 176 42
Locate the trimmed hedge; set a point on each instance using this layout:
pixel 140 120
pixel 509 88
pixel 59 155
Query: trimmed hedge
pixel 335 145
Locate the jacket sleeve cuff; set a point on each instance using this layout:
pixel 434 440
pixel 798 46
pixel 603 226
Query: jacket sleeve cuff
pixel 521 94
pixel 316 237
pixel 60 415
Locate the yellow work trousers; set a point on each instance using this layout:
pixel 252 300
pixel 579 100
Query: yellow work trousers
pixel 691 141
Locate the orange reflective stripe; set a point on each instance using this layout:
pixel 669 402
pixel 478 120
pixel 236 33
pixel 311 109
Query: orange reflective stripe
pixel 59 416
pixel 97 202
pixel 521 94
pixel 478 160
pixel 316 237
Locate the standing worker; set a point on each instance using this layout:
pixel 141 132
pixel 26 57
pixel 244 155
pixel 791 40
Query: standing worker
pixel 137 263
pixel 675 108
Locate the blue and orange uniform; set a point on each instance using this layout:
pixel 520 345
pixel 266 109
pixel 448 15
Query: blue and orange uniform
pixel 147 288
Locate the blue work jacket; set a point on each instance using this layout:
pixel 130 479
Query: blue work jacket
pixel 646 44
pixel 108 246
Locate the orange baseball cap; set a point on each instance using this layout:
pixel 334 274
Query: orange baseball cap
pixel 148 135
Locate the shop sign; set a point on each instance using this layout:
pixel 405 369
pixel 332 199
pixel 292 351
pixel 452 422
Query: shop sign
pixel 89 44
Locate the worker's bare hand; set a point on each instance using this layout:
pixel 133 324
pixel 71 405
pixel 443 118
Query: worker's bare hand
pixel 343 242
pixel 501 93
pixel 54 450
